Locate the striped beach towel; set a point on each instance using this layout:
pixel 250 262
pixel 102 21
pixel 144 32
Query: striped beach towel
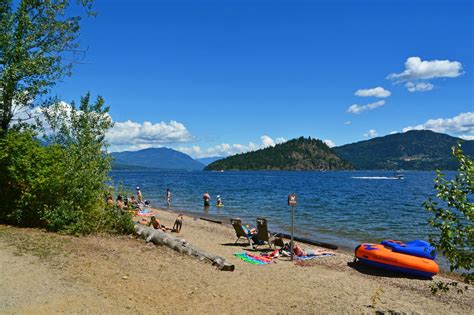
pixel 253 259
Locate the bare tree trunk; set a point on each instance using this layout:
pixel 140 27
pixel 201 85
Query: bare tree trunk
pixel 159 237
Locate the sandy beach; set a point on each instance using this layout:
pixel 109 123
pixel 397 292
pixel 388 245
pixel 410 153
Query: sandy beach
pixel 49 273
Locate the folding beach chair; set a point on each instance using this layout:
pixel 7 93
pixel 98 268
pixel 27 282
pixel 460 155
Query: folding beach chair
pixel 263 235
pixel 239 231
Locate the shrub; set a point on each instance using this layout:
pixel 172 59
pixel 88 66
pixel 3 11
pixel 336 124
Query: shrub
pixel 60 184
pixel 453 216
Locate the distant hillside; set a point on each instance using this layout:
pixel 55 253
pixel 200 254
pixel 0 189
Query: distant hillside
pixel 412 150
pixel 121 166
pixel 157 158
pixel 296 154
pixel 209 160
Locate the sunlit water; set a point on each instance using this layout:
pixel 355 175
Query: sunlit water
pixel 343 208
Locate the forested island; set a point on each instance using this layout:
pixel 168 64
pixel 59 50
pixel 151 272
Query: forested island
pixel 297 154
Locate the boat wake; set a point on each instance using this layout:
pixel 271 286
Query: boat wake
pixel 373 177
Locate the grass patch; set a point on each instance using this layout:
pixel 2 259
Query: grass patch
pixel 34 242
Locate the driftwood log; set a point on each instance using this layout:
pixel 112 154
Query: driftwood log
pixel 159 237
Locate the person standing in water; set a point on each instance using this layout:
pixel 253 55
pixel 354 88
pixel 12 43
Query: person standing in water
pixel 139 195
pixel 207 199
pixel 168 197
pixel 219 201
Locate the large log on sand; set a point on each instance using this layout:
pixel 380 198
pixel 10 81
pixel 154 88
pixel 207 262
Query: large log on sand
pixel 159 237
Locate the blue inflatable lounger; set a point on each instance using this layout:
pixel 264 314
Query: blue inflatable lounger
pixel 417 248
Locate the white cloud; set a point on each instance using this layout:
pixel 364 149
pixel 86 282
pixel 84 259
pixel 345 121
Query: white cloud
pixel 460 124
pixel 58 113
pixel 371 133
pixel 347 122
pixel 329 143
pixel 132 135
pixel 280 140
pixel 467 137
pixel 375 92
pixel 267 141
pixel 393 132
pixel 226 149
pixel 127 135
pixel 29 115
pixel 416 69
pixel 419 87
pixel 357 109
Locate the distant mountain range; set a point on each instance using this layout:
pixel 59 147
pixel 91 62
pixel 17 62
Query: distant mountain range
pixel 412 150
pixel 155 158
pixel 297 154
pixel 209 160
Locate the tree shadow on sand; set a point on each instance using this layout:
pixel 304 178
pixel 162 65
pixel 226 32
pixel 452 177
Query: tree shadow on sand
pixel 380 272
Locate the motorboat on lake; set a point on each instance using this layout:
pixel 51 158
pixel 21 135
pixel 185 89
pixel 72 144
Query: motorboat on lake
pixel 398 175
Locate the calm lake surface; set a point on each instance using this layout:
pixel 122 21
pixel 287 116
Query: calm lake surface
pixel 343 208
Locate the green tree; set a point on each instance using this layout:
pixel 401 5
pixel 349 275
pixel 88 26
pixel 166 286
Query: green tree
pixel 80 132
pixel 61 184
pixel 453 216
pixel 38 45
pixel 29 173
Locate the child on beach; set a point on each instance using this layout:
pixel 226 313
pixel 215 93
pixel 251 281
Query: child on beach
pixel 178 224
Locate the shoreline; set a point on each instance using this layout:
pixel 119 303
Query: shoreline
pixel 347 251
pixel 225 222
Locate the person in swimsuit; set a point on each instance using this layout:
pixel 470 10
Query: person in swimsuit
pixel 298 251
pixel 139 195
pixel 207 199
pixel 168 197
pixel 156 224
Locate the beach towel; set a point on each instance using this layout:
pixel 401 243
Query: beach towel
pixel 145 213
pixel 313 256
pixel 254 259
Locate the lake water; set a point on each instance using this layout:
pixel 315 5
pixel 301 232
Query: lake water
pixel 342 208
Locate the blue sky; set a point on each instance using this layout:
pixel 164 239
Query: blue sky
pixel 219 77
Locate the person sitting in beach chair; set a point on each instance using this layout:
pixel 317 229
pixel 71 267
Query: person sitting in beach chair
pixel 242 231
pixel 263 235
pixel 178 224
pixel 156 224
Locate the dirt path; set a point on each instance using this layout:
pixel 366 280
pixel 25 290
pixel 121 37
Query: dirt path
pixel 48 273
